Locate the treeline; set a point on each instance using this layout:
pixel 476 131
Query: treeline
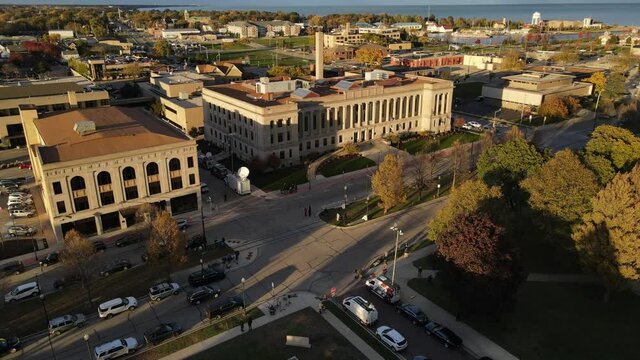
pixel 16 20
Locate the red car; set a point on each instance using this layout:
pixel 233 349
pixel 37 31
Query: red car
pixel 25 165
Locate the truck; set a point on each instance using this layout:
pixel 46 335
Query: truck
pixel 242 186
pixel 361 309
pixel 381 286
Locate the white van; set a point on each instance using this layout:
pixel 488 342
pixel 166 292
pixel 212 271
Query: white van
pixel 22 292
pixel 362 309
pixel 381 287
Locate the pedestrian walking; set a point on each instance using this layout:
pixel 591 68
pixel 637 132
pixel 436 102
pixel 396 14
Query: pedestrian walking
pixel 357 274
pixel 225 197
pixel 309 210
pixel 237 255
pixel 419 271
pixel 242 326
pixel 305 212
pixel 249 322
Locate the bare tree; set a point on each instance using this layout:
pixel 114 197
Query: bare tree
pixel 77 256
pixel 514 133
pixel 166 240
pixel 459 161
pixel 422 168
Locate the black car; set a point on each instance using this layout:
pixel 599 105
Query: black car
pixel 206 276
pixel 65 281
pixel 128 240
pixel 446 336
pixel 222 307
pixel 13 267
pixel 162 332
pixel 9 345
pixel 117 266
pixel 51 259
pixel 145 256
pixel 196 242
pixel 99 246
pixel 203 293
pixel 414 313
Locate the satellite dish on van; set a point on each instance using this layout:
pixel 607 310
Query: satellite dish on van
pixel 243 173
pixel 209 155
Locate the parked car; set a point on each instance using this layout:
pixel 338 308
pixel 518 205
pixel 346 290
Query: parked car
pixel 203 293
pixel 466 126
pixel 51 259
pixel 129 239
pixel 8 182
pixel 17 195
pixel 65 281
pixel 414 313
pixel 365 311
pixel 182 224
pixel 22 200
pixel 446 336
pixel 117 266
pixel 219 171
pixel 99 246
pixel 25 165
pixel 66 322
pixel 162 332
pixel 20 207
pixel 22 213
pixel 206 276
pixel 116 348
pixel 475 124
pixel 13 267
pixel 391 338
pixel 204 189
pixel 21 230
pixel 196 242
pixel 145 255
pixel 115 306
pixel 23 291
pixel 160 291
pixel 9 345
pixel 224 306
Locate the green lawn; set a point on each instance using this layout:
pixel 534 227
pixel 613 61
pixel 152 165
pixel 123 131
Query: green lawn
pixel 557 321
pixel 27 317
pixel 263 58
pixel 365 335
pixel 268 342
pixel 275 180
pixel 230 46
pixel 287 42
pixel 344 164
pixel 424 144
pixel 468 90
pixel 197 336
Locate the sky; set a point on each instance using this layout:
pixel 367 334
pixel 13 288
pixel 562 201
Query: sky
pixel 302 3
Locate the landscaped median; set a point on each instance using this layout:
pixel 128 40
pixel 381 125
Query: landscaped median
pixel 436 143
pixel 197 335
pixel 361 331
pixel 337 165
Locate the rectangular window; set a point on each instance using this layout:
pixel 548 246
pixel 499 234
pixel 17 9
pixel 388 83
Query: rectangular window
pixel 280 137
pixel 288 135
pixel 333 139
pixel 339 138
pixel 281 154
pixel 192 179
pixel 57 188
pixel 289 122
pixel 61 207
pixel 131 192
pixel 272 138
pixel 317 143
pixel 280 123
pixel 324 142
pixel 290 153
pixel 190 162
pixel 154 188
pixel 308 145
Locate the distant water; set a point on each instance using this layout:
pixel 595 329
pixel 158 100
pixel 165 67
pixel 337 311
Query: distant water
pixel 621 14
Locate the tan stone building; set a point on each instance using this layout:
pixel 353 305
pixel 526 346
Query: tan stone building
pixel 184 112
pixel 172 84
pixel 242 29
pixel 97 166
pixel 296 118
pixel 46 97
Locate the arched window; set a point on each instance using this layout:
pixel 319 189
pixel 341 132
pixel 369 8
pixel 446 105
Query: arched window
pixel 79 193
pixel 175 174
pixel 104 188
pixel 130 185
pixel 153 178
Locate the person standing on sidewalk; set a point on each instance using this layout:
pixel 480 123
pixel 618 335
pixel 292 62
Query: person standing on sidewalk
pixel 305 212
pixel 419 271
pixel 309 210
pixel 242 326
pixel 249 322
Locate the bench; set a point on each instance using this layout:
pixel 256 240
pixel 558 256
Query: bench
pixel 299 341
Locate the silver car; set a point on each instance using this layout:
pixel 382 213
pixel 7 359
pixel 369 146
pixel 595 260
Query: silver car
pixel 66 322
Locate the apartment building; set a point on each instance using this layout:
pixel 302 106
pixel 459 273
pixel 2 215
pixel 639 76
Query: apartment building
pixel 295 118
pixel 355 36
pixel 97 166
pixel 46 97
pixel 242 29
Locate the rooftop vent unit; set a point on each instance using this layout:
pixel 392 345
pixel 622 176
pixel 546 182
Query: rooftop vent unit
pixel 85 127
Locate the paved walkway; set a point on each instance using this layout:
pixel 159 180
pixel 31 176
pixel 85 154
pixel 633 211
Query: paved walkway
pixel 301 301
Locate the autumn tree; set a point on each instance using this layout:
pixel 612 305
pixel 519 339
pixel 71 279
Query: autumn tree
pixel 512 62
pixel 387 182
pixel 472 196
pixel 554 107
pixel 566 56
pixel 608 240
pixel 514 134
pixel 561 191
pixel 145 216
pixel 166 240
pixel 369 56
pixel 162 48
pixel 422 167
pixel 611 149
pixel 481 268
pixel 77 255
pixel 132 70
pixel 506 165
pixel 291 71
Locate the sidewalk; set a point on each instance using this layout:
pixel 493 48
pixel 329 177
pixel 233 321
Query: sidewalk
pixel 300 301
pixel 476 343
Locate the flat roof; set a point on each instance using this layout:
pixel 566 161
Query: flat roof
pixel 188 103
pixel 537 78
pixel 118 129
pixel 33 90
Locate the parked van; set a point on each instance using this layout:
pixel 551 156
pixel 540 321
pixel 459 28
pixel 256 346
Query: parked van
pixel 362 309
pixel 382 287
pixel 22 292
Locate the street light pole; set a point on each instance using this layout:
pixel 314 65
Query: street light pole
pixel 86 340
pixel 46 316
pixel 204 236
pixel 201 265
pixel 438 193
pixel 243 303
pixel 395 252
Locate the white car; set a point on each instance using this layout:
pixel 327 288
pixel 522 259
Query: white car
pixel 182 223
pixel 475 124
pixel 116 306
pixel 116 348
pixel 27 201
pixel 22 292
pixel 19 195
pixel 391 338
pixel 466 126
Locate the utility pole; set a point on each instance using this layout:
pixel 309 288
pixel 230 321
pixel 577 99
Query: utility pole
pixel 395 252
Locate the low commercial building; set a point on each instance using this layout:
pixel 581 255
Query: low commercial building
pixel 433 27
pixel 96 167
pixel 408 26
pixel 427 60
pixel 64 34
pixel 292 119
pixel 528 91
pixel 483 62
pixel 112 69
pixel 184 112
pixel 177 33
pixel 172 84
pixel 46 97
pixel 124 47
